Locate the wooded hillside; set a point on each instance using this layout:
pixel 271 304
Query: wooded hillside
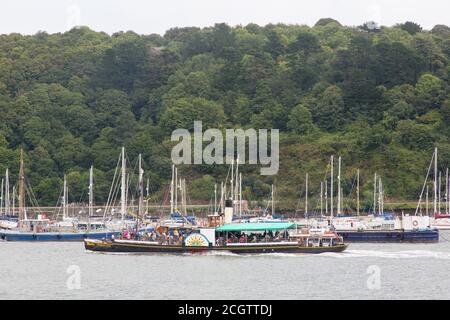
pixel 379 97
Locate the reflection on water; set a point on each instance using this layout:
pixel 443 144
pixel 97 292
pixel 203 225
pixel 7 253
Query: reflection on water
pixel 43 270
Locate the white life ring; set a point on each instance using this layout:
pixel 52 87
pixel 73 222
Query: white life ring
pixel 415 223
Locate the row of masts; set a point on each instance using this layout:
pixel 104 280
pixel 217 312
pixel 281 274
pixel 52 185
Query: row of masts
pixel 5 199
pixel 328 209
pixel 437 188
pixel 235 188
pixel 178 192
pixel 179 185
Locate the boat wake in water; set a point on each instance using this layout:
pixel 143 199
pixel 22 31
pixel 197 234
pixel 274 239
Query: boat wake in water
pixel 406 254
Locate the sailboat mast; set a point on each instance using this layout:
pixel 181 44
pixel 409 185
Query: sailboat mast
pixel 306 195
pixel 339 187
pixel 171 189
pixel 375 193
pixel 147 195
pixel 231 181
pixel 240 194
pixel 326 196
pixel 435 180
pixel 446 191
pixel 7 199
pixel 321 198
pixel 185 196
pixel 215 198
pixel 439 193
pixel 222 195
pixel 123 204
pixel 379 195
pixel 273 195
pixel 21 189
pixel 426 201
pixel 65 198
pixel 236 183
pixel 357 192
pixel 176 188
pixel 331 189
pixel 141 192
pixel 91 191
pixel 1 199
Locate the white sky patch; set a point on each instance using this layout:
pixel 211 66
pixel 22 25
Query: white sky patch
pixel 151 16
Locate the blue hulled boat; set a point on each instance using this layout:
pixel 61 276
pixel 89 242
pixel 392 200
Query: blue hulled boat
pixel 8 235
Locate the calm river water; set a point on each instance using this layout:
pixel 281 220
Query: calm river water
pixel 364 271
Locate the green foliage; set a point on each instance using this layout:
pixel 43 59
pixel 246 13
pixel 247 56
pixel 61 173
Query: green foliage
pixel 411 27
pixel 377 96
pixel 300 120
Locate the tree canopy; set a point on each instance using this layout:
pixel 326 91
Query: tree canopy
pixel 377 96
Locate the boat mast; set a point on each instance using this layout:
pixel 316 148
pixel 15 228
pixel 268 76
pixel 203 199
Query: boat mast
pixel 1 199
pixel 22 214
pixel 240 194
pixel 446 191
pixel 7 199
pixel 184 196
pixel 215 198
pixel 435 180
pixel 439 193
pixel 331 189
pixel 171 189
pixel 123 201
pixel 91 196
pixel 236 183
pixel 426 205
pixel 176 189
pixel 14 200
pixel 231 181
pixel 379 195
pixel 326 196
pixel 222 195
pixel 357 192
pixel 339 187
pixel 147 195
pixel 375 193
pixel 306 195
pixel 273 195
pixel 321 198
pixel 141 192
pixel 65 198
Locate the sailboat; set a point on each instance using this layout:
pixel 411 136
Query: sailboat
pixel 439 220
pixel 7 218
pixel 42 228
pixel 377 226
pixel 178 216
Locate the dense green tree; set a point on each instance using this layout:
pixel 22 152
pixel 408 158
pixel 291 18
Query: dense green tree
pixel 300 120
pixel 328 112
pixel 325 21
pixel 411 27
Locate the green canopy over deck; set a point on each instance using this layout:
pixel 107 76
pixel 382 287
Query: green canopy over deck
pixel 264 226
